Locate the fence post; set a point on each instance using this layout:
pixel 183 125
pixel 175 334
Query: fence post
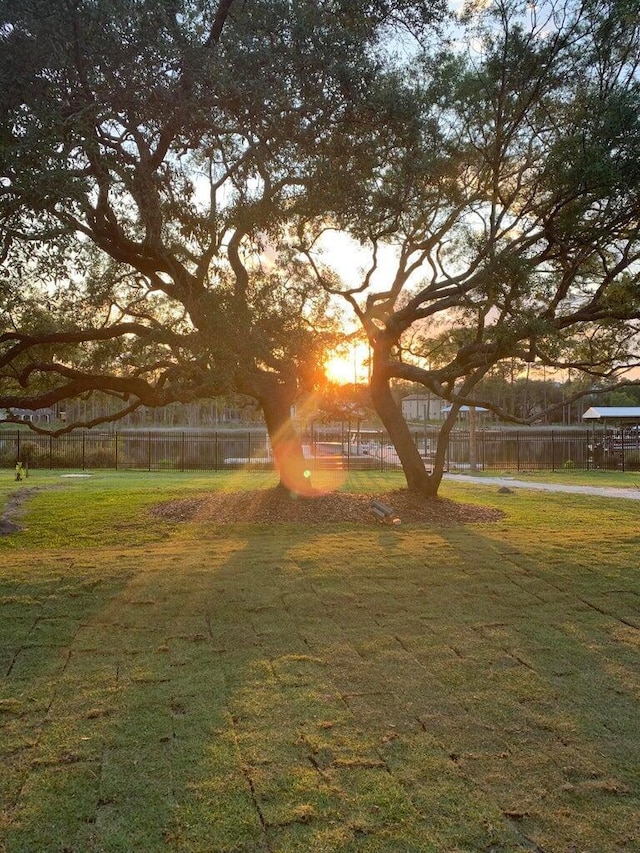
pixel 517 451
pixel 182 451
pixel 18 447
pixel 83 456
pixel 116 449
pixel 553 452
pixel 149 450
pixel 50 452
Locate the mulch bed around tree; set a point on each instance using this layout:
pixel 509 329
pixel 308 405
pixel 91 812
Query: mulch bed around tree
pixel 272 505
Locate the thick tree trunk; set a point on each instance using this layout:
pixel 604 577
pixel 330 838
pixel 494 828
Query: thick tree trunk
pixel 276 398
pixel 418 479
pixel 285 443
pixel 440 459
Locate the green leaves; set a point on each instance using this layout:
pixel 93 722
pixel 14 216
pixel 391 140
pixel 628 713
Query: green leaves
pixel 153 155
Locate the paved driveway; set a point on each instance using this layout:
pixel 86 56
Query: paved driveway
pixel 631 494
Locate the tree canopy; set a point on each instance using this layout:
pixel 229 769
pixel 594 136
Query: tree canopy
pixel 152 156
pixel 515 219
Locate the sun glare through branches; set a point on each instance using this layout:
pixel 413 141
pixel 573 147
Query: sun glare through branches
pixel 348 365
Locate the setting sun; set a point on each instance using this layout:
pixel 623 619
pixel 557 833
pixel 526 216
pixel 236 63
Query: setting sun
pixel 348 366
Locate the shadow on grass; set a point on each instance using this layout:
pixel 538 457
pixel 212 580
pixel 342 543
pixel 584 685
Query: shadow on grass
pixel 568 686
pixel 287 689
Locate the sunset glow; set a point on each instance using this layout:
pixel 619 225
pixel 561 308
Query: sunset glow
pixel 350 366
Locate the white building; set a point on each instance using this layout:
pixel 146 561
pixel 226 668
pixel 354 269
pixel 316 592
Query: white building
pixel 422 407
pixel 35 416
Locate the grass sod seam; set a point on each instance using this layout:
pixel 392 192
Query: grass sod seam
pixel 333 688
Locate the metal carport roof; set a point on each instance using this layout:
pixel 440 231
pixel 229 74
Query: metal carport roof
pixel 612 413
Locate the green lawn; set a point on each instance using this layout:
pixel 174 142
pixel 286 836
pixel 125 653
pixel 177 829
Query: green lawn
pixel 189 687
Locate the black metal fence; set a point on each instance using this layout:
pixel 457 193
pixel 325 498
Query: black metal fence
pixel 345 449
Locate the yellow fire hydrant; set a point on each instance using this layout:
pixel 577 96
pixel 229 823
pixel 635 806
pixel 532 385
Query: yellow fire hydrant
pixel 19 471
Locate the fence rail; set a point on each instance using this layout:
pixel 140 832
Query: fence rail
pixel 519 450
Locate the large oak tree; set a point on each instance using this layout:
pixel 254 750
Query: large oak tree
pixel 152 156
pixel 515 220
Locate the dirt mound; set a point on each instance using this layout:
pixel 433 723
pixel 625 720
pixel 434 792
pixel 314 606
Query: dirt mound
pixel 272 505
